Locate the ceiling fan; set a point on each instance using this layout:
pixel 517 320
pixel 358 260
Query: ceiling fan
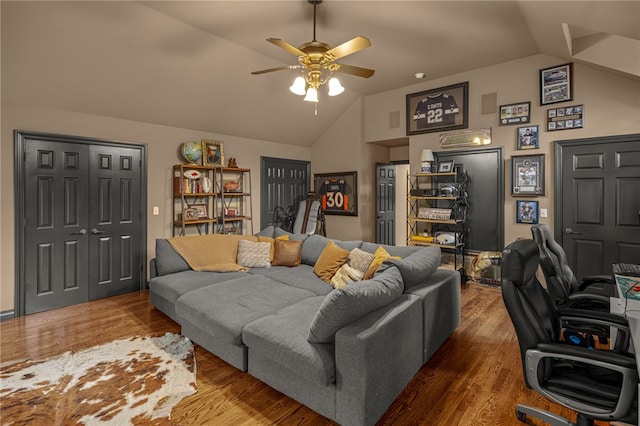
pixel 319 60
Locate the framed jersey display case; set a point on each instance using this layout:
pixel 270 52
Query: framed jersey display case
pixel 338 192
pixel 437 110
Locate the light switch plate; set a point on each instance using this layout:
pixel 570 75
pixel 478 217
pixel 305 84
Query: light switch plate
pixel 156 210
pixel 543 212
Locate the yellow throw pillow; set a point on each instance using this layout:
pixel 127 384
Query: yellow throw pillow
pixel 379 256
pixel 330 260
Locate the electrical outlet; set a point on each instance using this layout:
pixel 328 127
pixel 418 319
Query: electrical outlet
pixel 156 210
pixel 543 212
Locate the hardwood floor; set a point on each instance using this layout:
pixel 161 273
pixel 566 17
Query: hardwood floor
pixel 475 378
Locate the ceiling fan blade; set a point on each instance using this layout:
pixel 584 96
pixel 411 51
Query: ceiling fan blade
pixel 348 47
pixel 284 67
pixel 286 46
pixel 357 71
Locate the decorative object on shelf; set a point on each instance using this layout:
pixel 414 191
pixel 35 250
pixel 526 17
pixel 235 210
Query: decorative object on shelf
pixel 517 113
pixel 212 153
pixel 434 214
pixel 556 84
pixel 200 211
pixel 190 214
pixel 206 183
pixel 566 118
pixel 445 166
pixel 317 62
pixel 338 192
pixel 464 138
pixel 231 186
pixel 192 174
pixel 526 211
pixel 233 164
pixel 528 137
pixel 527 174
pixel 426 158
pixel 191 152
pixel 435 110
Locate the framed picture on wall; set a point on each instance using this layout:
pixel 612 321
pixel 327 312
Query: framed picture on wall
pixel 526 211
pixel 437 110
pixel 556 84
pixel 338 192
pixel 528 137
pixel 518 113
pixel 527 174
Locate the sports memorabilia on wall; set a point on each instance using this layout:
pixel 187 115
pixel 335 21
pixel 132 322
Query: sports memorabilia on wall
pixel 338 192
pixel 556 84
pixel 566 118
pixel 528 137
pixel 518 113
pixel 436 110
pixel 526 211
pixel 527 174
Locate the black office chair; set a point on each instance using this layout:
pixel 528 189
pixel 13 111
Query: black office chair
pixel 597 384
pixel 592 293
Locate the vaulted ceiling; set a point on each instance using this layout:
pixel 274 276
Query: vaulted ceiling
pixel 188 63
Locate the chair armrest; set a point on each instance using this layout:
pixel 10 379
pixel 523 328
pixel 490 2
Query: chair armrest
pixel 578 317
pixel 590 297
pixel 588 301
pixel 622 363
pixel 613 360
pixel 593 279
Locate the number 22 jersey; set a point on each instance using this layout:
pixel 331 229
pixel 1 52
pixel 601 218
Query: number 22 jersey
pixel 435 111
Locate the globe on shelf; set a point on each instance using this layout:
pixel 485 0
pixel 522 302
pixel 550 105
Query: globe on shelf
pixel 191 152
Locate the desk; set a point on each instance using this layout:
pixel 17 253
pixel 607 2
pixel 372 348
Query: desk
pixel 617 306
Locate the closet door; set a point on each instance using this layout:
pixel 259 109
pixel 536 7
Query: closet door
pixel 80 220
pixel 55 261
pixel 115 220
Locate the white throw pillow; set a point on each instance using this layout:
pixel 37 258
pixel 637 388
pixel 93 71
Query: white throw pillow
pixel 254 254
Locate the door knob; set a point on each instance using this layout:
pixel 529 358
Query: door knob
pixel 570 231
pixel 94 231
pixel 80 232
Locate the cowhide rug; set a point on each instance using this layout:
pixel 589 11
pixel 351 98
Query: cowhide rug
pixel 129 381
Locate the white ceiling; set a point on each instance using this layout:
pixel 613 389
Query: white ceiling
pixel 188 63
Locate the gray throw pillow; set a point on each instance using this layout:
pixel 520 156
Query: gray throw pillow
pixel 269 231
pixel 343 306
pixel 312 248
pixel 168 261
pixel 418 266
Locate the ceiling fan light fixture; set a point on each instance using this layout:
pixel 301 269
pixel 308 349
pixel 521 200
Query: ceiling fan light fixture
pixel 312 95
pixel 299 86
pixel 335 88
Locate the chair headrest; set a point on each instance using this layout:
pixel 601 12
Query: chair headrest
pixel 520 261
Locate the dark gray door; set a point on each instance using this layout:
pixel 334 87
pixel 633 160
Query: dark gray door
pixel 83 233
pixel 115 220
pixel 385 204
pixel 598 202
pixel 485 187
pixel 56 222
pixel 283 183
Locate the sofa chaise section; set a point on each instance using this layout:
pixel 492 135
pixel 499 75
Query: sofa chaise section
pixel 214 316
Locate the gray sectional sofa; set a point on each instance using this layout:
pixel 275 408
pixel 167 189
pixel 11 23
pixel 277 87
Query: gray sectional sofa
pixel 345 353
